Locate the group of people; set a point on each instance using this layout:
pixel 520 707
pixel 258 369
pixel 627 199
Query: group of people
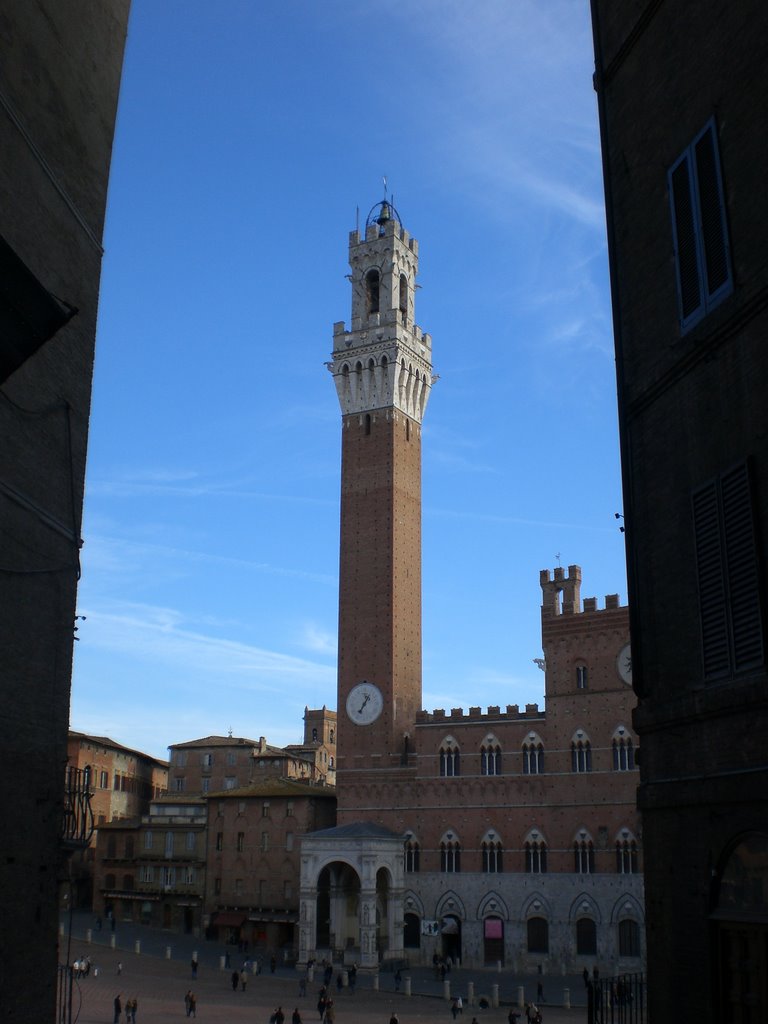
pixel 190 1003
pixel 131 1006
pixel 81 968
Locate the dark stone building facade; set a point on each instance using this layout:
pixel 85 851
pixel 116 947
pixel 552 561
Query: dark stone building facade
pixel 683 94
pixel 60 68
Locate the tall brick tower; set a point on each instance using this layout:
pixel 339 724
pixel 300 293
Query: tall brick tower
pixel 382 368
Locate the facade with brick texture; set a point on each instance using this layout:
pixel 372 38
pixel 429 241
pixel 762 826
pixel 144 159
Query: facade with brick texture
pixel 683 96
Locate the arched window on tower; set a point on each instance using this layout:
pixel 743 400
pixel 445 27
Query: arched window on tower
pixel 403 298
pixel 367 427
pixel 450 758
pixel 372 292
pixel 581 676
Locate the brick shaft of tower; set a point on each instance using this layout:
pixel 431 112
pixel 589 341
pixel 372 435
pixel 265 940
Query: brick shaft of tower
pixel 383 374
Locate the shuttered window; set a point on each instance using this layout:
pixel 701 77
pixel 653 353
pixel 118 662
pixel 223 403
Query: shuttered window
pixel 728 578
pixel 699 229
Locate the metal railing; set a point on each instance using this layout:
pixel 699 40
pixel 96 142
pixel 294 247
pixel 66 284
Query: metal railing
pixel 619 1000
pixel 77 821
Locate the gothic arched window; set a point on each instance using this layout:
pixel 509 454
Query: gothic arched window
pixel 403 298
pixel 450 759
pixel 533 756
pixel 450 855
pixel 581 755
pixel 372 292
pixel 623 751
pixel 490 758
pixel 412 855
pixel 626 854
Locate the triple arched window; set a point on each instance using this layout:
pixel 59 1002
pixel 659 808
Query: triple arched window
pixel 623 751
pixel 492 855
pixel 490 757
pixel 533 755
pixel 581 754
pixel 583 854
pixel 450 758
pixel 535 854
pixel 450 854
pixel 626 854
pixel 412 855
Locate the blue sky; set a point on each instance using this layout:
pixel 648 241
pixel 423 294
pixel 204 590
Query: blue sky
pixel 248 135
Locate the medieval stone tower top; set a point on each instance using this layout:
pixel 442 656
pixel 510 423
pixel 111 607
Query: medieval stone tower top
pixel 382 369
pixel 385 359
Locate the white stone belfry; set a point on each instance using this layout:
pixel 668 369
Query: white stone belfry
pixel 385 360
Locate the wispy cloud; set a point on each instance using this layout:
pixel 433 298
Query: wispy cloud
pixel 116 555
pixel 159 635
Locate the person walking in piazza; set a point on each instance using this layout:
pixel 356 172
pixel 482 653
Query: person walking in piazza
pixel 330 1012
pixel 118 1008
pixel 187 1001
pixel 192 1004
pixel 243 978
pixel 393 1019
pixel 235 978
pixel 296 1016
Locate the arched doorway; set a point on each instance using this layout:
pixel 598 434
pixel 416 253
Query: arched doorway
pixel 740 920
pixel 451 937
pixel 338 898
pixel 493 941
pixel 412 932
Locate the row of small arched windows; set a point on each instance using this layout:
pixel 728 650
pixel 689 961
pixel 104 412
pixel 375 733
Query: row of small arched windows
pixel 491 859
pixel 622 749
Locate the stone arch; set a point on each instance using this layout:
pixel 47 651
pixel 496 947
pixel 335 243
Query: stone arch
pixel 627 905
pixel 536 905
pixel 584 905
pixel 450 904
pixel 493 905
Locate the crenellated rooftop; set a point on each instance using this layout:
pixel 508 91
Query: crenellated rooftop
pixel 494 714
pixel 561 594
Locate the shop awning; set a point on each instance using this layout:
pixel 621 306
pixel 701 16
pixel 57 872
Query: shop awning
pixel 229 919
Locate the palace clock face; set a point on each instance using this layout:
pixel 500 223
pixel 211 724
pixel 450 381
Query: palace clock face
pixel 364 703
pixel 624 664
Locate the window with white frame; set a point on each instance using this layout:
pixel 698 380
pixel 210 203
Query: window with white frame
pixel 412 855
pixel 491 854
pixel 581 677
pixel 699 228
pixel 230 782
pixel 450 758
pixel 581 753
pixel 450 854
pixel 623 751
pixel 207 760
pixel 189 875
pixel 535 854
pixel 533 755
pixel 490 757
pixel 626 854
pixel 583 854
pixel 148 838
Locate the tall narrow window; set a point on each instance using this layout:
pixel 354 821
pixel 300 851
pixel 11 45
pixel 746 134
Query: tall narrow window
pixel 626 856
pixel 533 757
pixel 372 292
pixel 699 228
pixel 623 754
pixel 536 857
pixel 450 856
pixel 581 756
pixel 581 677
pixel 726 564
pixel 490 759
pixel 412 856
pixel 450 759
pixel 403 298
pixel 584 856
pixel 492 857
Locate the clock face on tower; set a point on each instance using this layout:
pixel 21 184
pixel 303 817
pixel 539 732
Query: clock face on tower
pixel 624 664
pixel 364 703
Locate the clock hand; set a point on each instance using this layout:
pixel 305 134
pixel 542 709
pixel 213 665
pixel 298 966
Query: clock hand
pixel 367 698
